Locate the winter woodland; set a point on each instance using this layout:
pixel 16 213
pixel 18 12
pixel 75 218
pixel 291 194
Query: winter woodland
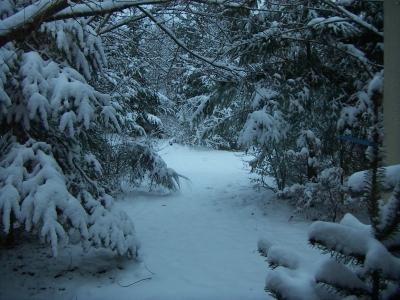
pixel 90 90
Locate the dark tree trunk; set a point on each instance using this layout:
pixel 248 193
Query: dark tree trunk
pixel 10 236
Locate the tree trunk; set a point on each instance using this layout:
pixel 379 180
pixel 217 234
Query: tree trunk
pixel 10 235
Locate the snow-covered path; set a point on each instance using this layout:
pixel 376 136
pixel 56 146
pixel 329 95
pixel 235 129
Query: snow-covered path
pixel 200 243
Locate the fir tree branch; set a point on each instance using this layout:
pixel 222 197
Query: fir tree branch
pixel 353 17
pixel 20 25
pixel 392 223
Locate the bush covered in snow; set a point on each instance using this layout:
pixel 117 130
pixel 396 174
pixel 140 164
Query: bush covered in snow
pixel 325 198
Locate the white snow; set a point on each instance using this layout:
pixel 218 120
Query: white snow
pixel 351 238
pixel 329 270
pixel 356 182
pixel 200 243
pixel 263 128
pixel 283 257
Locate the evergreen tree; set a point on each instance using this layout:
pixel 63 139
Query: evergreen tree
pixel 60 102
pixel 364 259
pixel 307 63
pixel 51 126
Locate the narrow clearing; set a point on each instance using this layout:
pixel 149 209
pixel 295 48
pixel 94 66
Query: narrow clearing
pixel 200 243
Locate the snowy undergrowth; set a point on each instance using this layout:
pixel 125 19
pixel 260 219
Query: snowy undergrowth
pixel 200 243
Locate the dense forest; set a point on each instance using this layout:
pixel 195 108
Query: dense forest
pixel 87 86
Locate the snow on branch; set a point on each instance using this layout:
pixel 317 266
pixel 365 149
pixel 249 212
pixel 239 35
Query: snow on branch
pixel 357 184
pixel 263 128
pixel 7 59
pixel 336 274
pixel 208 60
pixel 109 227
pixel 96 8
pixel 50 91
pixel 353 17
pixel 28 19
pixel 350 238
pixel 121 22
pixel 33 187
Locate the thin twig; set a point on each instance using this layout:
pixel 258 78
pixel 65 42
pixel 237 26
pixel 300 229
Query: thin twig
pixel 253 227
pixel 69 265
pixel 134 282
pixel 148 269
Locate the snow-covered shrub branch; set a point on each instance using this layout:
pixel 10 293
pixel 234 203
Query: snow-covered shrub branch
pixel 356 257
pixel 135 162
pixel 324 198
pixel 365 266
pixel 34 194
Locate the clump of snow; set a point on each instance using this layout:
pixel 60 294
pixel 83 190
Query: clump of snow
pixel 263 128
pixel 154 119
pixel 376 84
pixel 315 21
pixel 281 256
pixel 204 101
pixel 264 244
pixel 262 94
pixel 351 221
pixel 349 115
pixel 352 241
pixel 337 274
pixel 289 285
pixel 356 182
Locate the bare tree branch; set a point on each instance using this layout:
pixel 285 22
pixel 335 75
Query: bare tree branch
pixel 182 45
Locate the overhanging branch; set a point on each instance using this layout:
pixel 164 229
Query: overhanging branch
pixel 353 17
pixel 24 22
pixel 182 45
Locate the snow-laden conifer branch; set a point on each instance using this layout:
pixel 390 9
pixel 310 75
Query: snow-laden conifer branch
pixel 353 17
pixel 24 22
pixel 35 194
pixel 389 225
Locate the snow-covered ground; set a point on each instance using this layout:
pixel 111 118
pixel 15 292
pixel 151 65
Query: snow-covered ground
pixel 200 243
